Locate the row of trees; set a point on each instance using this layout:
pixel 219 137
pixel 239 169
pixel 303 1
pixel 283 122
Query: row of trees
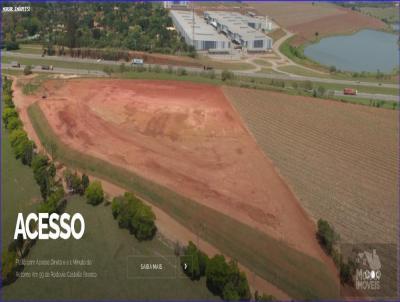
pixel 329 239
pixel 222 278
pixel 44 172
pixel 134 215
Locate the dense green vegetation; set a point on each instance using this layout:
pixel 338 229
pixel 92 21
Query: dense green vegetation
pixel 222 278
pixel 60 27
pixel 328 239
pixel 134 215
pixel 94 193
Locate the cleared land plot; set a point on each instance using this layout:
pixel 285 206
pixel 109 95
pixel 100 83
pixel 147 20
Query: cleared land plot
pixel 306 18
pixel 108 247
pixel 184 136
pixel 269 258
pixel 340 159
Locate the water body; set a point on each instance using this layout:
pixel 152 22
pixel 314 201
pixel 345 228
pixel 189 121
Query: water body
pixel 366 50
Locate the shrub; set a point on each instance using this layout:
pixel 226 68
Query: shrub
pixel 11 45
pixel 326 236
pixel 181 71
pixel 27 70
pixel 7 114
pixel 85 182
pixel 14 123
pixel 134 215
pixel 94 193
pixel 227 75
pixel 122 68
pixel 74 182
pixel 157 68
pixel 217 274
pixel 53 202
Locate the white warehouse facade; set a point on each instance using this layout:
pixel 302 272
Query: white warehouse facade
pixel 240 29
pixel 198 33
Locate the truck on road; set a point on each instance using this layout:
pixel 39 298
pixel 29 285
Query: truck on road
pixel 350 91
pixel 137 61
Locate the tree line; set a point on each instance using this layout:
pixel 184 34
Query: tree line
pixel 329 239
pixel 141 26
pixel 223 278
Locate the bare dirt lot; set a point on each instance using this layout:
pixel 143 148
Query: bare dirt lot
pixel 341 160
pixel 184 136
pixel 307 18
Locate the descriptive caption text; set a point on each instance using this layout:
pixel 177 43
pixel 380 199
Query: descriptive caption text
pixel 56 268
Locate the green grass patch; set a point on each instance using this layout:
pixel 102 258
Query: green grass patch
pixel 108 247
pixel 30 48
pixel 301 276
pixel 302 71
pixel 229 65
pixel 151 75
pixel 262 62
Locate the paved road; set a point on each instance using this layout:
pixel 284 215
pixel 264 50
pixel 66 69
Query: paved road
pixel 58 70
pixel 350 83
pixel 371 96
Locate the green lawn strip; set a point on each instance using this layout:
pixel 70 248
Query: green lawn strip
pixel 337 76
pixel 262 62
pixel 301 276
pixel 108 247
pixel 29 48
pixel 20 193
pixel 146 75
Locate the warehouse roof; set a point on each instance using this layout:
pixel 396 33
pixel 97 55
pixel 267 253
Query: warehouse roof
pixel 202 30
pixel 237 23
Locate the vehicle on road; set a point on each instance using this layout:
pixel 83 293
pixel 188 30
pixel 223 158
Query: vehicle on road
pixel 47 67
pixel 350 91
pixel 15 64
pixel 137 61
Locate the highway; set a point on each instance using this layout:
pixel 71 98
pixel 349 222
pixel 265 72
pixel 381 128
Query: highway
pixel 94 72
pixel 372 96
pixel 17 55
pixel 58 70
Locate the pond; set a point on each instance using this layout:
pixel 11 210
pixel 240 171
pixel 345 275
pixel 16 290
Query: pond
pixel 366 50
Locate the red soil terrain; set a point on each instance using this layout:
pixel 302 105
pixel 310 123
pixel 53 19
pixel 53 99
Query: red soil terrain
pixel 184 136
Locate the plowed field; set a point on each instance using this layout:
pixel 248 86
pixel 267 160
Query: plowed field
pixel 341 160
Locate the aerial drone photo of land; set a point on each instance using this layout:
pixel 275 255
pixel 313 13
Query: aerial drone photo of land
pixel 213 150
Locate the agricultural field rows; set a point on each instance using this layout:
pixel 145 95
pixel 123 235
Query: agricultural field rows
pixel 339 159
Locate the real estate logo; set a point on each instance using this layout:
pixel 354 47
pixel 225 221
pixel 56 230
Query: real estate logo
pixel 373 269
pixel 368 273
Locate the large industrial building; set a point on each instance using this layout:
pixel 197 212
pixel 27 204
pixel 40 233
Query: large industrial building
pixel 241 29
pixel 196 32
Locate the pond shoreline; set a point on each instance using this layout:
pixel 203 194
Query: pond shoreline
pixel 364 36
